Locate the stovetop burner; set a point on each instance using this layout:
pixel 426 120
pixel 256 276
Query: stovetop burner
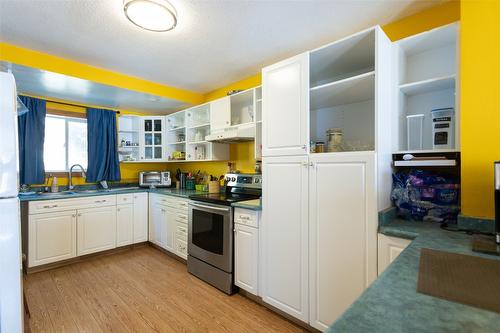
pixel 239 187
pixel 222 198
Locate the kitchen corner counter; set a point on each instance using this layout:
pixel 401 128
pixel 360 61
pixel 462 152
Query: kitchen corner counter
pixel 248 204
pixel 166 191
pixel 391 303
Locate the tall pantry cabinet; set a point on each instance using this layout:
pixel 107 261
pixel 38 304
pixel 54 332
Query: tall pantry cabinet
pixel 319 230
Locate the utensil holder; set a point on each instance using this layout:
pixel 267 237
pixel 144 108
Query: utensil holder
pixel 213 186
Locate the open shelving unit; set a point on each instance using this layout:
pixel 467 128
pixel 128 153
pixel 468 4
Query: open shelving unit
pixel 342 93
pixel 129 131
pixel 426 79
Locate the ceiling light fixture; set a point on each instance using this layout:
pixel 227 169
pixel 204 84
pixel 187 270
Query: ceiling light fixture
pixel 152 15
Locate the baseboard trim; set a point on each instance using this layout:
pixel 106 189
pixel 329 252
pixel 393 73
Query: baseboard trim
pixel 284 315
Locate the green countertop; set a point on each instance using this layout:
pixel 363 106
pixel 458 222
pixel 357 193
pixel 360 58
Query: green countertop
pixel 392 304
pixel 248 204
pixel 76 194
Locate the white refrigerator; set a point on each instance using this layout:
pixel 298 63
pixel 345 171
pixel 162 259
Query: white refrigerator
pixel 11 299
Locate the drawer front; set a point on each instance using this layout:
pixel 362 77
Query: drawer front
pixel 181 232
pixel 181 249
pixel 181 217
pixel 47 206
pixel 123 199
pixel 246 217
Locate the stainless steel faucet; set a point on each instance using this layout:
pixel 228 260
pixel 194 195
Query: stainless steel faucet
pixel 70 182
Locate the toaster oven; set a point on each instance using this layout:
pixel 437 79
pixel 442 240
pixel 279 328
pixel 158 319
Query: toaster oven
pixel 154 179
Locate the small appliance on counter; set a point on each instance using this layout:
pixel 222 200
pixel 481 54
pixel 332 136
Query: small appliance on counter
pixel 154 179
pixel 210 230
pixel 443 128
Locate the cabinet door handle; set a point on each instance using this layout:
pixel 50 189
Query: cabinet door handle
pixel 163 211
pixel 305 164
pixel 73 215
pixel 50 206
pixel 100 201
pixel 304 147
pixel 244 217
pixel 118 209
pixel 311 164
pixel 79 214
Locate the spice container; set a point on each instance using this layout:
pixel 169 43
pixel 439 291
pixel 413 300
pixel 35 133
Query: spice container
pixel 335 139
pixel 320 147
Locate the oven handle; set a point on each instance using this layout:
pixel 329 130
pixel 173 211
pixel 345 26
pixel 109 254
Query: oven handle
pixel 210 207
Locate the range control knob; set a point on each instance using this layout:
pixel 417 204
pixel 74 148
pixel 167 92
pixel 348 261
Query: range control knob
pixel 233 179
pixel 257 180
pixel 228 179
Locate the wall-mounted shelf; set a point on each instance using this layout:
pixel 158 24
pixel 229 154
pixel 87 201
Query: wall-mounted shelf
pixel 425 86
pixel 355 89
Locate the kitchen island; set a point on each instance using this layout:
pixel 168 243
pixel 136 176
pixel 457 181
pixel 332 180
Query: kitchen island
pixel 392 303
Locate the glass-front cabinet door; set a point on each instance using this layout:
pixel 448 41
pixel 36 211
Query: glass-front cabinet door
pixel 152 139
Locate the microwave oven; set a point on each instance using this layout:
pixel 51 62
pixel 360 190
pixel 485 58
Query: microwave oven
pixel 154 179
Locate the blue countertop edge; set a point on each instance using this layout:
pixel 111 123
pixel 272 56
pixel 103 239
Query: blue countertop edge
pixel 166 191
pixel 392 304
pixel 248 204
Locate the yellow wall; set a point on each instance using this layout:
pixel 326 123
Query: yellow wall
pixel 480 112
pixel 433 17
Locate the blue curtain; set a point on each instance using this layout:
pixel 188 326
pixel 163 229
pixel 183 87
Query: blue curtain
pixel 103 163
pixel 31 132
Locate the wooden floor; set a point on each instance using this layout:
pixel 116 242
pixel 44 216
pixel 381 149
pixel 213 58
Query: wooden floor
pixel 141 290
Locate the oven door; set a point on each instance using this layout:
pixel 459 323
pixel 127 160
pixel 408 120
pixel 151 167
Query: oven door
pixel 210 234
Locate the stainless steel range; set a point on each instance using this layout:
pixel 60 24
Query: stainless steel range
pixel 210 230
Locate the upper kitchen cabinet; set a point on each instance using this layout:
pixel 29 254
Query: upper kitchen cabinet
pixel 129 138
pixel 258 123
pixel 175 135
pixel 220 113
pixel 152 138
pixel 285 107
pixel 426 81
pixel 348 94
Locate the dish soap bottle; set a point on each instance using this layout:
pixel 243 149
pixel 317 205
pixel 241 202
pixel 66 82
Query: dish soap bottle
pixel 54 187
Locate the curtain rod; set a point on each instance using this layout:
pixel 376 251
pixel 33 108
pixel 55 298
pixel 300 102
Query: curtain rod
pixel 63 103
pixel 80 106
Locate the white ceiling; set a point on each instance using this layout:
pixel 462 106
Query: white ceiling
pixel 214 44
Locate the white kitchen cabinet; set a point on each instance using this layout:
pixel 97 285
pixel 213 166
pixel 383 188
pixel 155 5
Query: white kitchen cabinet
pixel 246 258
pixel 220 114
pixel 285 235
pixel 389 248
pixel 124 224
pixel 158 225
pixel 285 108
pixel 52 237
pixel 152 140
pixel 342 232
pixel 96 229
pixel 170 229
pixel 140 220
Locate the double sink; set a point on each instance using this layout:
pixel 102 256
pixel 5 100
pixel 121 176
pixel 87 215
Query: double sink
pixel 76 192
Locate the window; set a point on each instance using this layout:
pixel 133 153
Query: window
pixel 65 142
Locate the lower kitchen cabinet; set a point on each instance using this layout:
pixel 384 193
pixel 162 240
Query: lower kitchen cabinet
pixel 158 225
pixel 52 237
pixel 140 233
pixel 342 233
pixel 124 225
pixel 170 226
pixel 285 258
pixel 389 248
pixel 246 258
pixel 96 229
